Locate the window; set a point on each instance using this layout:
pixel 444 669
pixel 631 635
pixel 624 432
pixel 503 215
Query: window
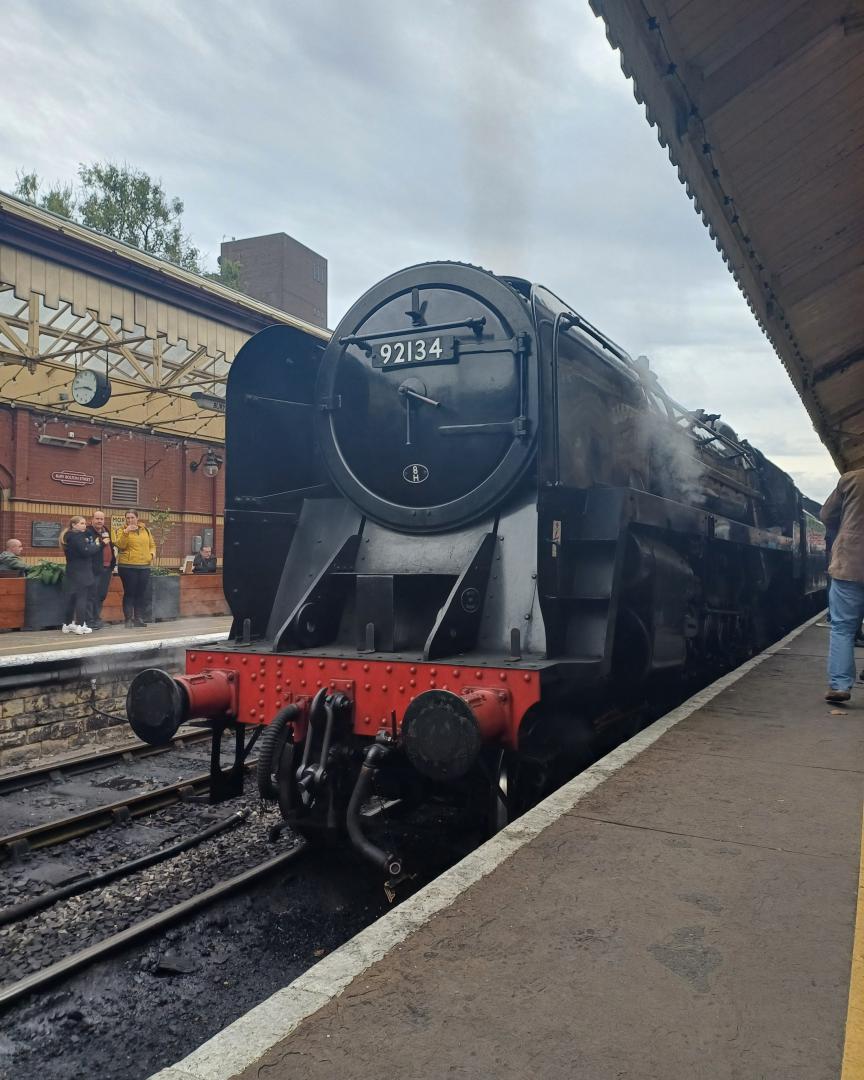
pixel 124 490
pixel 318 272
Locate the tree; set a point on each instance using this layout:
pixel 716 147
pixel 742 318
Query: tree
pixel 121 202
pixel 230 274
pixel 59 198
pixel 129 205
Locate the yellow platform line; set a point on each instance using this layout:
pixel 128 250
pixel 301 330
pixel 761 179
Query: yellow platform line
pixel 853 1050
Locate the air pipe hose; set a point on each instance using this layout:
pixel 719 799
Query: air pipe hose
pixel 272 741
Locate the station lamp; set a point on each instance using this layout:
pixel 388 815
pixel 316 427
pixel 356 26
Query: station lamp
pixel 210 463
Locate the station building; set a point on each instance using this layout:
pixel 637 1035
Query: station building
pixel 112 375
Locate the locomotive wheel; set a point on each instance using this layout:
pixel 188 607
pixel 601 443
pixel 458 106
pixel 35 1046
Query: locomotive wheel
pixel 276 735
pixel 504 804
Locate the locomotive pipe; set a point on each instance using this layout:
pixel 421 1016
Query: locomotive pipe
pixel 273 737
pixel 158 703
pixel 389 863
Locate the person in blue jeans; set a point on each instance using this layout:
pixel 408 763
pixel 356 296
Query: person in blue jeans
pixel 844 512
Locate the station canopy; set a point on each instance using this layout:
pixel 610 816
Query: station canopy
pixel 761 106
pixel 73 299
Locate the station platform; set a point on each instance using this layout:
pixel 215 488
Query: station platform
pixel 686 908
pixel 22 646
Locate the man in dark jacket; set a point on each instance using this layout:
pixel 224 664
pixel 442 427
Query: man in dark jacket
pixel 104 561
pixel 844 512
pixel 204 562
pixel 11 562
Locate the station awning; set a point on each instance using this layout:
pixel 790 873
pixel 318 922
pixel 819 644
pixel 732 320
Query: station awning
pixel 761 106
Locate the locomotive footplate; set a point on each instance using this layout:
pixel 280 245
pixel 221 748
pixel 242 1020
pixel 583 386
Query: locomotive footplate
pixel 376 688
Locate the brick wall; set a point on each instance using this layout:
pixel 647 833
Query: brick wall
pixel 160 464
pixel 283 273
pixel 56 718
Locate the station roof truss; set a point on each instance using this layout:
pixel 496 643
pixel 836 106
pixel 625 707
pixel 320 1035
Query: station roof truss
pixel 761 107
pixel 71 298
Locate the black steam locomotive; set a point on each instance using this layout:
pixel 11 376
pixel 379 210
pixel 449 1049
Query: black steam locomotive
pixel 463 543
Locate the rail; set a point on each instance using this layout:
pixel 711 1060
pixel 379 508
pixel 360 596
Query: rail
pixel 99 817
pixel 103 759
pixel 70 964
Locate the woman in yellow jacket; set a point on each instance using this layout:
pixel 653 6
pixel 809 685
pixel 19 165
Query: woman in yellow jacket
pixel 136 551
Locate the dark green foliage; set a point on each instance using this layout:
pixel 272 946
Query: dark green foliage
pixel 229 274
pixel 129 205
pixel 59 198
pixel 49 573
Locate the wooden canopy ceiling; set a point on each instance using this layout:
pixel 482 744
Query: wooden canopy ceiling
pixel 71 298
pixel 761 106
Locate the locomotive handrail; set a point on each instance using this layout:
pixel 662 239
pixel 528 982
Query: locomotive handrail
pixel 312 489
pixel 599 337
pixel 556 427
pixel 475 324
pixel 693 418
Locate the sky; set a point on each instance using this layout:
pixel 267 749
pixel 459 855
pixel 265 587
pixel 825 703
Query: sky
pixel 383 133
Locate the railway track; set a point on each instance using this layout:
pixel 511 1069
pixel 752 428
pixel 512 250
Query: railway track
pixel 24 779
pixel 19 843
pixel 145 927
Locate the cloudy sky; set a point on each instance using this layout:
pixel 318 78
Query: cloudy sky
pixel 387 132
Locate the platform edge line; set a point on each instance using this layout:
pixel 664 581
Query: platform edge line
pixel 93 651
pixel 853 1039
pixel 252 1035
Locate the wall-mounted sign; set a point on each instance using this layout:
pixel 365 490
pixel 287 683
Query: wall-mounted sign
pixel 76 479
pixel 45 534
pixel 208 401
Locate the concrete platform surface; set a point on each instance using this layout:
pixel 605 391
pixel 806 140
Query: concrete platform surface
pixel 19 646
pixel 685 909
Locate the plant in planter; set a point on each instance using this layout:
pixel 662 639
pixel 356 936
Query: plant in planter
pixel 47 572
pixel 161 525
pixel 43 598
pixel 164 594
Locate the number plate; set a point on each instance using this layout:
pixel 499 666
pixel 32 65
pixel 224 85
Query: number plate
pixel 415 350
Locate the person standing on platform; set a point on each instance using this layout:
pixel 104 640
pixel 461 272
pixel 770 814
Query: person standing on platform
pixel 204 562
pixel 844 513
pixel 78 580
pixel 104 561
pixel 136 550
pixel 11 562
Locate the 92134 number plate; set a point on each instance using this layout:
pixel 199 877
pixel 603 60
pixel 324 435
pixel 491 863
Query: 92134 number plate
pixel 416 350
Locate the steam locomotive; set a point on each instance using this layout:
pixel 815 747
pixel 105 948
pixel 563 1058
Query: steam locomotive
pixel 463 542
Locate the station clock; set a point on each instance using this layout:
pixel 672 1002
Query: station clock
pixel 90 388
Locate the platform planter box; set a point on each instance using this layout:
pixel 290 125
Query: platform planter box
pixel 12 602
pixel 112 609
pixel 164 597
pixel 202 594
pixel 43 605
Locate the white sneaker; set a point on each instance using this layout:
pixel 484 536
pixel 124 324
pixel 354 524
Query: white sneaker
pixel 69 628
pixel 84 629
